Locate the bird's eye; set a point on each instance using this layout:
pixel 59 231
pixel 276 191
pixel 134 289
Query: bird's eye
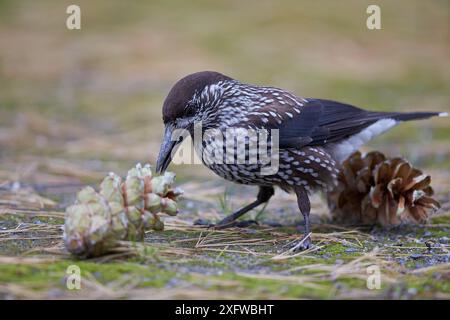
pixel 189 112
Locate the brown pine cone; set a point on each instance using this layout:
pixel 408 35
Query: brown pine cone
pixel 375 189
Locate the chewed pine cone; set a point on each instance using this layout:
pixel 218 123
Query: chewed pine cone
pixel 121 210
pixel 374 189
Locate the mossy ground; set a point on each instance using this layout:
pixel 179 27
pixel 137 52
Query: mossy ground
pixel 185 261
pixel 77 104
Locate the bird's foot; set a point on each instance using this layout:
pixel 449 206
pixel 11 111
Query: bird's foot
pixel 303 244
pixel 225 224
pixel 203 222
pixel 237 224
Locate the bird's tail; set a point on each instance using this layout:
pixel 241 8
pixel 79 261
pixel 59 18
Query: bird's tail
pixel 400 116
pixel 375 124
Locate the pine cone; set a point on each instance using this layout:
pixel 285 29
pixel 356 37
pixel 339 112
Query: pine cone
pixel 121 210
pixel 373 189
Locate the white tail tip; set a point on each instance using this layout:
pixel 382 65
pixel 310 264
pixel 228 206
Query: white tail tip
pixel 443 114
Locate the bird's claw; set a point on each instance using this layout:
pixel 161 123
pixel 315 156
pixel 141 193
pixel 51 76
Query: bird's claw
pixel 303 244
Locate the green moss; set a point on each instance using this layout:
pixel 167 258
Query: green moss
pixel 428 283
pixel 279 265
pixel 264 288
pixel 440 219
pixel 437 233
pixel 41 276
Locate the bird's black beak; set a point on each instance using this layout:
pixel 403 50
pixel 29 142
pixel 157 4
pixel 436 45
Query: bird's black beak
pixel 168 144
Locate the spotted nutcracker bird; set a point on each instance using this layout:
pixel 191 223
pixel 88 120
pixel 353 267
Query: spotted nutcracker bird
pixel 315 135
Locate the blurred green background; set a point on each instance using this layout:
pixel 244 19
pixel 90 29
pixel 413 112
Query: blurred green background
pixel 90 99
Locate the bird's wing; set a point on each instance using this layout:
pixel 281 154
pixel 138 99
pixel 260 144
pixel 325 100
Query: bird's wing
pixel 317 121
pixel 325 121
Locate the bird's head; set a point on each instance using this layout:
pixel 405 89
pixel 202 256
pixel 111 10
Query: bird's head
pixel 191 100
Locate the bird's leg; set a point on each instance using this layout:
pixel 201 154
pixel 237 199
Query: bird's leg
pixel 305 206
pixel 264 194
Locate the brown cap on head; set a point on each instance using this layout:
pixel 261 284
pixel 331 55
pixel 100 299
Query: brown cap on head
pixel 183 91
